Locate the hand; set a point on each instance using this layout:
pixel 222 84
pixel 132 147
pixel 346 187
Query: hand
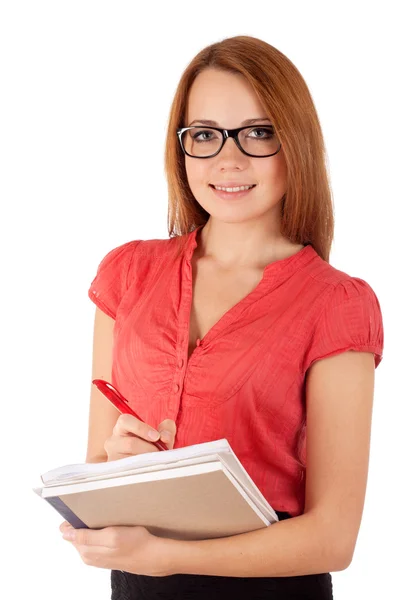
pixel 130 437
pixel 130 549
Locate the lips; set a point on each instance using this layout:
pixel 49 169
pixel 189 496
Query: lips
pixel 232 196
pixel 233 185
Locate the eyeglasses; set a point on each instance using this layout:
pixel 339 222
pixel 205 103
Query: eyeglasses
pixel 206 142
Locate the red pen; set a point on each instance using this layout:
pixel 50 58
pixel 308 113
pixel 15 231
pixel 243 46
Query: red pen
pixel 117 399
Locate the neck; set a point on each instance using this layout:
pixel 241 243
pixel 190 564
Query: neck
pixel 251 244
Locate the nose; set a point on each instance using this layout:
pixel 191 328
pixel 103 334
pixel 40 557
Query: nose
pixel 231 152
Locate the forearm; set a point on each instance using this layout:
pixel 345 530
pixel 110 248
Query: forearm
pixel 296 546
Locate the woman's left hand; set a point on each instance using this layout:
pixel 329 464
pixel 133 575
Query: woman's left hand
pixel 130 549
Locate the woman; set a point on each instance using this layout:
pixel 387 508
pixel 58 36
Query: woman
pixel 237 326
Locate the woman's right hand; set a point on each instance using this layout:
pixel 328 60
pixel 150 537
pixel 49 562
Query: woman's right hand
pixel 130 437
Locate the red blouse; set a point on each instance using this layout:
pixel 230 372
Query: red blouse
pixel 245 380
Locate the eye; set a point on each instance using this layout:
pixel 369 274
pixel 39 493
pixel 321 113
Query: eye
pixel 204 135
pixel 262 132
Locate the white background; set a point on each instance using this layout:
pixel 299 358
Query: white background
pixel 85 92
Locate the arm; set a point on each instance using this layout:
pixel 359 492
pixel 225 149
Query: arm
pixel 102 414
pixel 339 396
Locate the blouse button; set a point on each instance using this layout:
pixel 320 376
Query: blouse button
pixel 181 363
pixel 198 342
pixel 177 388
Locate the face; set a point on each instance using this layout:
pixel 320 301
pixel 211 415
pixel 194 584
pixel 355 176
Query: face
pixel 228 99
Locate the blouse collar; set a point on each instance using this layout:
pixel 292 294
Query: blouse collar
pixel 276 271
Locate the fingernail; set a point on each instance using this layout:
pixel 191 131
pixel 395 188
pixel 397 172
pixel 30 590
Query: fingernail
pixel 166 436
pixel 69 535
pixel 153 435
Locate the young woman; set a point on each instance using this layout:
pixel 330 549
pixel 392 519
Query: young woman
pixel 237 327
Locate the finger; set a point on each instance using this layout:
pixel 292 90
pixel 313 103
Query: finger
pixel 128 446
pixel 128 424
pixel 167 429
pixel 88 537
pixel 94 552
pixel 96 556
pixel 64 526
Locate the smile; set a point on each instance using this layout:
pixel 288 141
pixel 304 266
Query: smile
pixel 241 188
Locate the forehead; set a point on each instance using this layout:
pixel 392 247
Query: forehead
pixel 226 98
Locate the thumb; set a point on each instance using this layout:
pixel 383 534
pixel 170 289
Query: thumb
pixel 167 429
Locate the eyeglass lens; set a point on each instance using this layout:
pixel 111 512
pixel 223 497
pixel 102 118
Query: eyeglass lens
pixel 203 142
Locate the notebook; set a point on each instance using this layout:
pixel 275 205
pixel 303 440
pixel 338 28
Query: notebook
pixel 192 493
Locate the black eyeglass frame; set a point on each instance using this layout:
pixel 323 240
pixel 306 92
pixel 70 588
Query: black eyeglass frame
pixel 226 133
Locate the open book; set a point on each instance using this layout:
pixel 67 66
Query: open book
pixel 191 493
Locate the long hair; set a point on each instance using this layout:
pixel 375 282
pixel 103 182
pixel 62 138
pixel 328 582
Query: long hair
pixel 307 208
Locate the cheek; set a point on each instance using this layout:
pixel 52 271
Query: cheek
pixel 272 172
pixel 197 173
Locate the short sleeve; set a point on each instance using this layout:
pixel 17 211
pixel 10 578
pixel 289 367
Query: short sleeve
pixel 351 320
pixel 112 278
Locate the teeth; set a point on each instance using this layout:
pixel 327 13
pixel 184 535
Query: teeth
pixel 235 189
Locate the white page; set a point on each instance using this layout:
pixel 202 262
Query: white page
pixel 68 472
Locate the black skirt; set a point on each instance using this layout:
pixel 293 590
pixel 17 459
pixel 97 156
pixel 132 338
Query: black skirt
pixel 127 586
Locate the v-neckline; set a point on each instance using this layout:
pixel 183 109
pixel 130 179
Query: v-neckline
pixel 270 278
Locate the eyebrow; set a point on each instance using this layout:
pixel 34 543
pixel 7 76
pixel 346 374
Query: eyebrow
pixel 215 124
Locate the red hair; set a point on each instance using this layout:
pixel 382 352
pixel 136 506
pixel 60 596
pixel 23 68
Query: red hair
pixel 307 211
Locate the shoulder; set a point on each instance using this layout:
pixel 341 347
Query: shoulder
pixel 337 286
pixel 124 265
pixel 140 259
pixel 347 315
pixel 152 248
pixel 156 247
